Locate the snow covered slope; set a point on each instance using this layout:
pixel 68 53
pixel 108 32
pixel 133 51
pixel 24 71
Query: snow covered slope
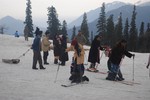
pixel 20 82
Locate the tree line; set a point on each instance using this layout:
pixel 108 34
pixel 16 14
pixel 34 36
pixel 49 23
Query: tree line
pixel 138 39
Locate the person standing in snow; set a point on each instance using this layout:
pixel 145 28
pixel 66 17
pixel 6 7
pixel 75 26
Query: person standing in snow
pixel 26 32
pixel 94 53
pixel 117 53
pixel 80 38
pixel 63 55
pixel 36 46
pixel 57 48
pixel 148 62
pixel 77 70
pixel 46 47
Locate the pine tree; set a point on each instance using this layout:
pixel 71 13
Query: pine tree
pixel 53 22
pixel 92 37
pixel 64 28
pixel 28 19
pixel 118 29
pixel 110 31
pixel 84 28
pixel 101 25
pixel 73 33
pixel 133 32
pixel 141 45
pixel 126 30
pixel 147 39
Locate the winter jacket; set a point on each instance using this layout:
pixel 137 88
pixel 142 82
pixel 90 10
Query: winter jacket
pixel 94 53
pixel 57 46
pixel 45 44
pixel 36 46
pixel 80 58
pixel 117 54
pixel 81 39
pixel 63 55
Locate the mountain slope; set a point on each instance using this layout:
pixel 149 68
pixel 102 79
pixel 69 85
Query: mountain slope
pixel 12 25
pixel 94 14
pixel 143 14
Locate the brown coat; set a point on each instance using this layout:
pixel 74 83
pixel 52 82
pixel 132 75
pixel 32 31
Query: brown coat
pixel 80 59
pixel 45 44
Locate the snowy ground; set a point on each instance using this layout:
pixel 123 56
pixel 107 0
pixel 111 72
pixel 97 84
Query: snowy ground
pixel 20 82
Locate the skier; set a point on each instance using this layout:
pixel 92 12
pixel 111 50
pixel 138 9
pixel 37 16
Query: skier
pixel 36 46
pixel 116 56
pixel 94 53
pixel 148 62
pixel 46 47
pixel 77 69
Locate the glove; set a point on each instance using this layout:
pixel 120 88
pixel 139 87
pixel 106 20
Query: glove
pixel 147 66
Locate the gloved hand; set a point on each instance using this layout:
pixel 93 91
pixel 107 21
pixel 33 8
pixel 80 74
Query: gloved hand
pixel 147 66
pixel 133 55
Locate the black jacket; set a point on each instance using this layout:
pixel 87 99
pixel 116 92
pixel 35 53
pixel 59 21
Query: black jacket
pixel 94 54
pixel 117 53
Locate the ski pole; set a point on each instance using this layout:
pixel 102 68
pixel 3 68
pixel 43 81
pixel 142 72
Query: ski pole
pixel 149 72
pixel 133 70
pixel 23 54
pixel 57 72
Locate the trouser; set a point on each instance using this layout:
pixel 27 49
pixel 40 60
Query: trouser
pixel 37 58
pixel 115 70
pixel 45 55
pixel 92 65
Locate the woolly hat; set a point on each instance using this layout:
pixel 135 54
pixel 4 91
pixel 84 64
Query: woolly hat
pixel 74 42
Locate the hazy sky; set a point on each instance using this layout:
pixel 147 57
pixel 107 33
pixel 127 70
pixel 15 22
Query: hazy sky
pixel 67 9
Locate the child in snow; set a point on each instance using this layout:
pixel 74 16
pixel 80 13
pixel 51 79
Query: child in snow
pixel 77 69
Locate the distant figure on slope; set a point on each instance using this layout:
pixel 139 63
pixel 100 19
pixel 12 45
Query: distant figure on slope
pixel 46 47
pixel 26 32
pixel 148 62
pixel 77 68
pixel 36 46
pixel 94 53
pixel 16 34
pixel 116 56
pixel 80 38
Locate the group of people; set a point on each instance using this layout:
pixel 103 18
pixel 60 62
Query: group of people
pixel 59 46
pixel 116 54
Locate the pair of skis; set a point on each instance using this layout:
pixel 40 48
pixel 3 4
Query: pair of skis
pixel 96 71
pixel 73 84
pixel 128 82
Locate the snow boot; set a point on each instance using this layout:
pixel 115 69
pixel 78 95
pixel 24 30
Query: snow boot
pixel 111 76
pixel 55 61
pixel 85 78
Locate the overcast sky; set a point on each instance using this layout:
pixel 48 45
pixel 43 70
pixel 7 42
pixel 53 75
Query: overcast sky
pixel 67 9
